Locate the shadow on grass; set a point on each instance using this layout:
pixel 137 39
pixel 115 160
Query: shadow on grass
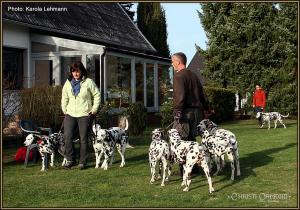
pixel 252 161
pixel 247 164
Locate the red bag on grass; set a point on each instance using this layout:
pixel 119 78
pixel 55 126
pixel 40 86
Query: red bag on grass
pixel 21 155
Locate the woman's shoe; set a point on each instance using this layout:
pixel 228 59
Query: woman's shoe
pixel 81 166
pixel 69 165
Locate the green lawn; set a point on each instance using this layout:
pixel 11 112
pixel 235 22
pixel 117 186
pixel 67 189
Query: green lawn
pixel 268 161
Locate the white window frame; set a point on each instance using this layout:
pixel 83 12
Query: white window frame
pixel 134 59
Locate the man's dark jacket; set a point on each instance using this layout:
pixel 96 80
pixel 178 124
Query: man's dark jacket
pixel 188 91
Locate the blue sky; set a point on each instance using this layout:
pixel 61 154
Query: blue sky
pixel 184 28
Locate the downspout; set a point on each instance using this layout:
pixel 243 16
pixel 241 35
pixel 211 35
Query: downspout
pixel 102 75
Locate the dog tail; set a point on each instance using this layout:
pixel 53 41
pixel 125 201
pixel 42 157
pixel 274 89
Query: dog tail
pixel 285 116
pixel 127 124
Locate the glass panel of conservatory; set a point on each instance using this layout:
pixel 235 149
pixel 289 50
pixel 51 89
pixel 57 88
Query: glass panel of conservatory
pixel 150 84
pixel 118 75
pixel 139 69
pixel 165 83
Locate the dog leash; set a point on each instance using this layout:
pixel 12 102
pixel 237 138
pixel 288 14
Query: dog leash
pixel 183 128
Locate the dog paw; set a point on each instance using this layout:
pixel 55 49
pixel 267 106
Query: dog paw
pixel 185 189
pixel 162 184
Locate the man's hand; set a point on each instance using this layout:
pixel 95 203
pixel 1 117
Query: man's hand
pixel 178 116
pixel 92 113
pixel 208 113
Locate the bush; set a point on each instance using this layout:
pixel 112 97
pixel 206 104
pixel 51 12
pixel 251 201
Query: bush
pixel 137 114
pixel 222 101
pixel 102 117
pixel 283 98
pixel 166 113
pixel 42 105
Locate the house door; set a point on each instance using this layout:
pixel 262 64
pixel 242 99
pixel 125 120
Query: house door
pixel 43 72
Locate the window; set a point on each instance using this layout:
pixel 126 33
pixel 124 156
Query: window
pixel 12 69
pixel 118 77
pixel 43 72
pixel 93 67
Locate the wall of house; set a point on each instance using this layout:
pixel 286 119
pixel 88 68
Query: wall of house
pixel 16 36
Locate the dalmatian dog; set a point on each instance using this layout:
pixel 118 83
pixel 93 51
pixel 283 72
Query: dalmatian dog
pixel 268 116
pixel 105 141
pixel 188 153
pixel 159 152
pixel 46 145
pixel 212 128
pixel 218 146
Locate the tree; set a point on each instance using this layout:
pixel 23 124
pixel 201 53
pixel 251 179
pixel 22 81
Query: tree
pixel 252 43
pixel 127 6
pixel 151 21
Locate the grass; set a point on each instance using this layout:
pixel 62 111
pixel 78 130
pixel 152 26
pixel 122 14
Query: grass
pixel 268 161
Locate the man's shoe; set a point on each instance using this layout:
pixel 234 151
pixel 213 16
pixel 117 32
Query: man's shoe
pixel 68 165
pixel 81 166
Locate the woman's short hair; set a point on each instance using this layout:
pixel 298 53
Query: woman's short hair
pixel 77 65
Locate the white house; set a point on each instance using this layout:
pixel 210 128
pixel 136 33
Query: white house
pixel 41 40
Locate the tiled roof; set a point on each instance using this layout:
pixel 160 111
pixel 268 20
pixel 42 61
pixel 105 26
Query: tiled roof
pixel 197 65
pixel 103 23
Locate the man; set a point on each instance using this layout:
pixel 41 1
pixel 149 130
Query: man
pixel 188 100
pixel 188 97
pixel 259 101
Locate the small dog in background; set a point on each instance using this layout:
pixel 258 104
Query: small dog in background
pixel 46 145
pixel 268 116
pixel 159 152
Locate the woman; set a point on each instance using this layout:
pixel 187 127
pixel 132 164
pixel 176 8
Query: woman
pixel 80 101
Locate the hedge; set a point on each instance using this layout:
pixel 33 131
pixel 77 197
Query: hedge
pixel 220 99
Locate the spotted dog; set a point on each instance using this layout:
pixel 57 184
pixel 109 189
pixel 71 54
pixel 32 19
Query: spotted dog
pixel 218 146
pixel 268 116
pixel 46 145
pixel 159 152
pixel 188 153
pixel 231 141
pixel 105 141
